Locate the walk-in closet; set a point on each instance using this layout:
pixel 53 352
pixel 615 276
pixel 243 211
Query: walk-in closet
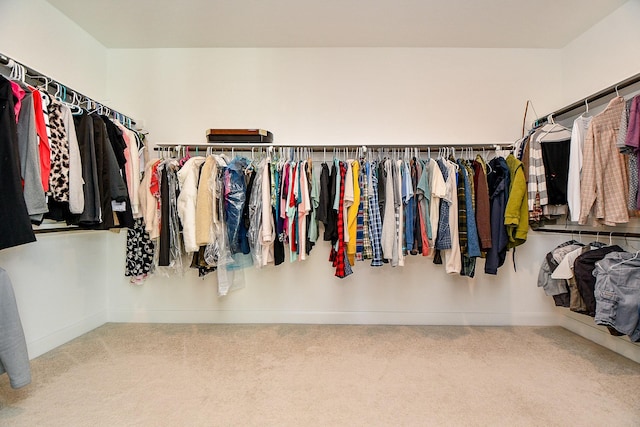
pixel 319 213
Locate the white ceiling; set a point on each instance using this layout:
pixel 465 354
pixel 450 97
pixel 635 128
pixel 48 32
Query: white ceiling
pixel 336 23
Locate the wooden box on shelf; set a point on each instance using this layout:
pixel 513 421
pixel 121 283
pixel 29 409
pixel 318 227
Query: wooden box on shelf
pixel 239 135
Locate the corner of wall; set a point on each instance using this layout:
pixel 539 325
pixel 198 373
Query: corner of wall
pixel 69 54
pixel 603 55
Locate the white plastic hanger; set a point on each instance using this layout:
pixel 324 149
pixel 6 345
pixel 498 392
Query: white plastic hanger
pixel 556 128
pixel 625 261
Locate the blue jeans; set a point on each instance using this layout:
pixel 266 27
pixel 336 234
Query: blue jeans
pixel 410 210
pixel 617 293
pixel 235 198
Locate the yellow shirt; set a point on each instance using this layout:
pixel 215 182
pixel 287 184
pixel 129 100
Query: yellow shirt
pixel 352 214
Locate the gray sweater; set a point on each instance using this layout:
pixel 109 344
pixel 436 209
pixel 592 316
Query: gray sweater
pixel 30 159
pixel 14 359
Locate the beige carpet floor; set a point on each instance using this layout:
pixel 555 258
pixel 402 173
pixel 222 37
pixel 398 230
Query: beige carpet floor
pixel 309 375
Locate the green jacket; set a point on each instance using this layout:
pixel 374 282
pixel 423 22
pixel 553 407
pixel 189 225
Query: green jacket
pixel 516 215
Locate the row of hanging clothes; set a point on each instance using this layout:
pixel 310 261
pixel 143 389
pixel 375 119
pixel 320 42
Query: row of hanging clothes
pixel 588 172
pixel 596 279
pixel 63 161
pixel 232 211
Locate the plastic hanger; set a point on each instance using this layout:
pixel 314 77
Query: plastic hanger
pixel 635 256
pixel 18 72
pixel 45 85
pixel 586 106
pixel 552 126
pixel 627 244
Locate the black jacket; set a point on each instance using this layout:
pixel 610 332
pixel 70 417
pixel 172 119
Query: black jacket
pixel 583 271
pixel 15 225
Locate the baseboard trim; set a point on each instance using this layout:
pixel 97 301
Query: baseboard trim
pixel 351 317
pixel 585 327
pixel 55 339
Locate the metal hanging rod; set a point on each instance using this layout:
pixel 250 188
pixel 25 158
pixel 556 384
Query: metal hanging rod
pixel 603 233
pixel 591 98
pixel 34 75
pixel 251 145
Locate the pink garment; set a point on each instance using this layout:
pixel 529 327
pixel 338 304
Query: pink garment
pixel 633 128
pixel 304 207
pixel 19 93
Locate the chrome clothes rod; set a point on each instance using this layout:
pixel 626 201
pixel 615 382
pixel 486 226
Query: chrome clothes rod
pixel 67 92
pixel 251 145
pixel 577 231
pixel 581 104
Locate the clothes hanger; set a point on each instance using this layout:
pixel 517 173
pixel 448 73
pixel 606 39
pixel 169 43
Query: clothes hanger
pixel 627 244
pixel 586 108
pixel 635 256
pixel 18 72
pixel 552 126
pixel 74 105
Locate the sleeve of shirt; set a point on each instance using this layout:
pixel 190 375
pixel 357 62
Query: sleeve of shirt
pixel 588 179
pixel 438 186
pixel 516 199
pixel 573 182
pixel 633 126
pixel 267 218
pixel 348 186
pixel 323 197
pixel 537 180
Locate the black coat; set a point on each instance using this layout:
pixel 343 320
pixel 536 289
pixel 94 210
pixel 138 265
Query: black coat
pixel 15 225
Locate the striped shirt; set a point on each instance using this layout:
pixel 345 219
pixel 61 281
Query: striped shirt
pixel 537 183
pixel 375 224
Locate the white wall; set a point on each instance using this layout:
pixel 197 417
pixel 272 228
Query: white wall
pixel 307 292
pixel 603 55
pixel 333 96
pixel 40 36
pixel 60 280
pixel 60 286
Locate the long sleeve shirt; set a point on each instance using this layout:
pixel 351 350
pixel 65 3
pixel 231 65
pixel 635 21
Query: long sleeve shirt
pixel 604 186
pixel 578 135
